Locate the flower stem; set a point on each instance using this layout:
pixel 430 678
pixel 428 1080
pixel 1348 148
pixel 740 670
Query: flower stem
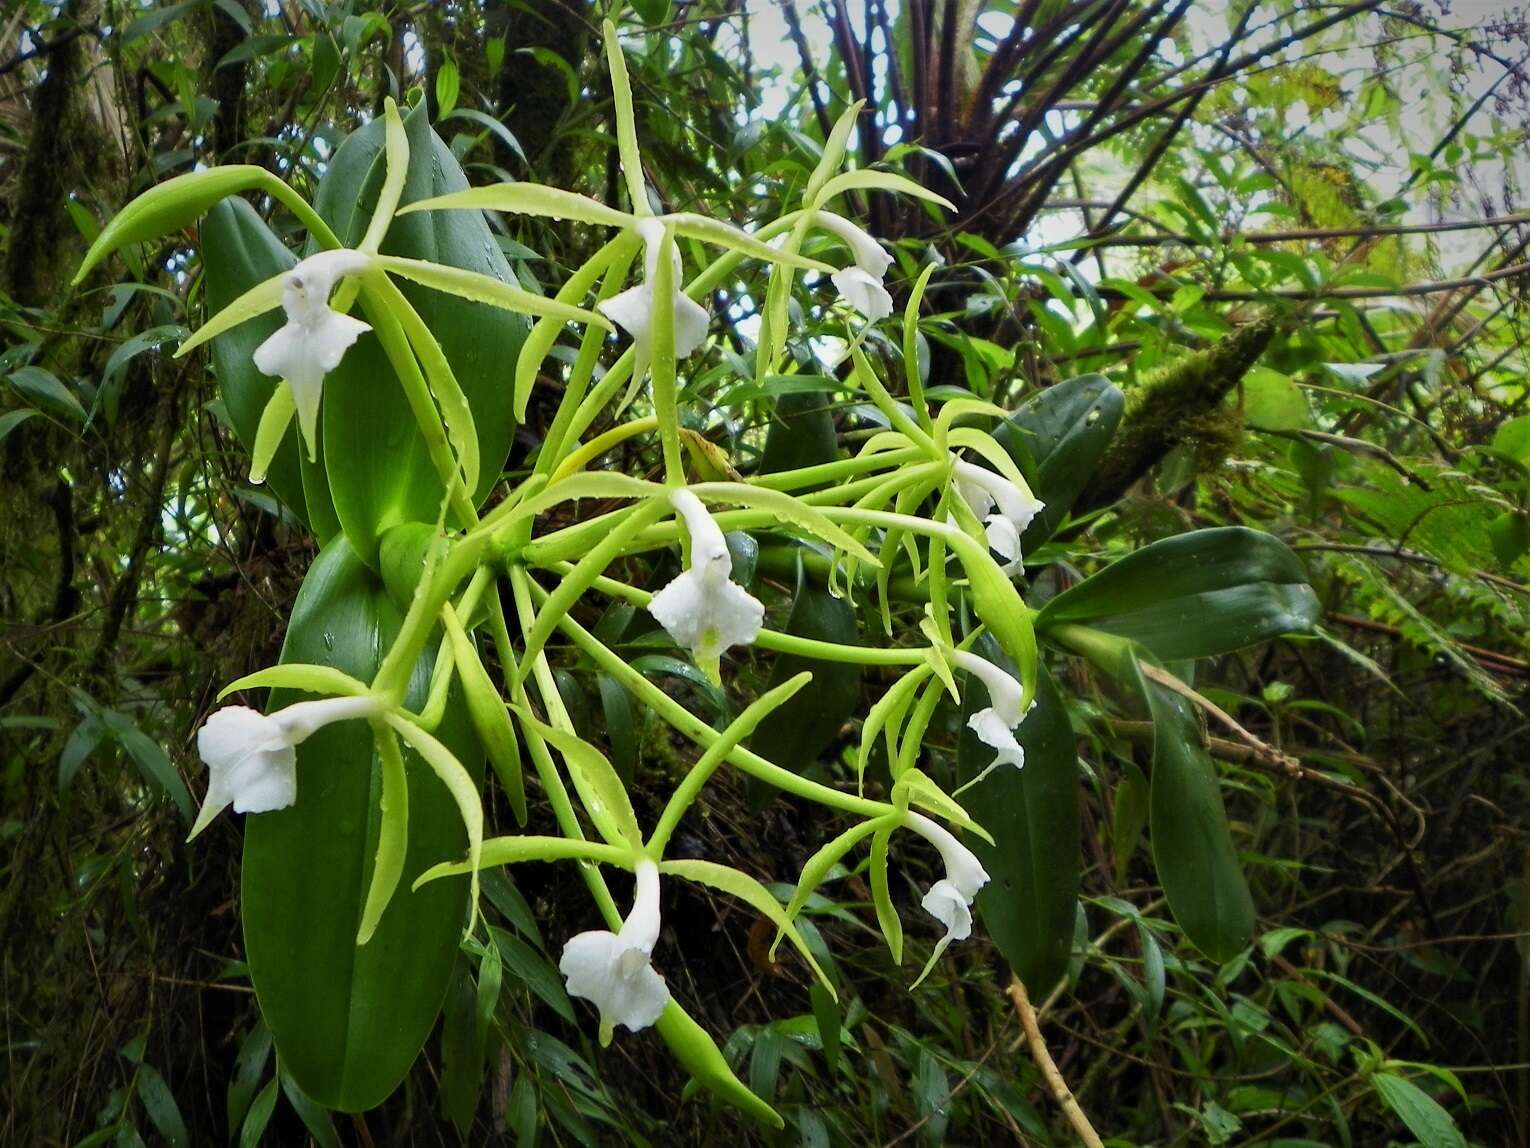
pixel 557 716
pixel 702 734
pixel 690 787
pixel 772 639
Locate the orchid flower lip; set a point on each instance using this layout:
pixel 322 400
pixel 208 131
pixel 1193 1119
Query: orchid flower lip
pixel 860 284
pixel 632 309
pixel 315 337
pixel 864 292
pixel 1006 510
pixel 251 757
pixel 995 724
pixel 613 970
pixel 702 608
pixel 949 899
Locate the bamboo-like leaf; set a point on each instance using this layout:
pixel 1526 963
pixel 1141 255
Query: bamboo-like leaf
pixel 750 891
pixel 788 509
pixel 299 676
pixel 486 289
pixel 869 180
pixel 392 834
pixel 527 199
pixel 256 301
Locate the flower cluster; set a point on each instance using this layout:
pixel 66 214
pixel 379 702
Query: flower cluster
pixel 911 492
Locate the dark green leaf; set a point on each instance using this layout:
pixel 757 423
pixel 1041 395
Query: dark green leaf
pixel 826 1015
pixel 1192 846
pixel 314 1118
pixel 44 389
pixel 461 1063
pixel 1129 817
pixel 1029 905
pixel 621 726
pixel 801 433
pixel 349 1021
pixel 252 1134
pixel 249 1067
pixel 151 761
pixel 1057 439
pixel 533 970
pixel 159 1102
pixel 13 419
pixel 364 405
pixel 1194 595
pixel 83 740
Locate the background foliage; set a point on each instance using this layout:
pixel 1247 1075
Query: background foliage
pixel 1292 235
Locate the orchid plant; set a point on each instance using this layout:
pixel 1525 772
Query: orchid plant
pixel 932 488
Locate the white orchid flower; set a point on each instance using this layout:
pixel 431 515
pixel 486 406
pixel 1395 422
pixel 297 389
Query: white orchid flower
pixel 1006 509
pixel 613 969
pixel 632 310
pixel 861 285
pixel 315 337
pixel 702 608
pixel 252 757
pixel 995 725
pixel 949 900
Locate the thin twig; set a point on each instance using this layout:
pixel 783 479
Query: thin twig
pixel 1055 1083
pixel 1263 750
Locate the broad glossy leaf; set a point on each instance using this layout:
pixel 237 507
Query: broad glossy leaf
pixel 1192 846
pixel 1194 595
pixel 1058 439
pixel 379 470
pixel 349 1020
pixel 239 251
pixel 1029 905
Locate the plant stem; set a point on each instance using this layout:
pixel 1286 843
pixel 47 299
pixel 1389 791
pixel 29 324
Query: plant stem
pixel 702 734
pixel 557 715
pixel 1055 1083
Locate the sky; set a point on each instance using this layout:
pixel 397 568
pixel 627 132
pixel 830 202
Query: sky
pixel 1429 104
